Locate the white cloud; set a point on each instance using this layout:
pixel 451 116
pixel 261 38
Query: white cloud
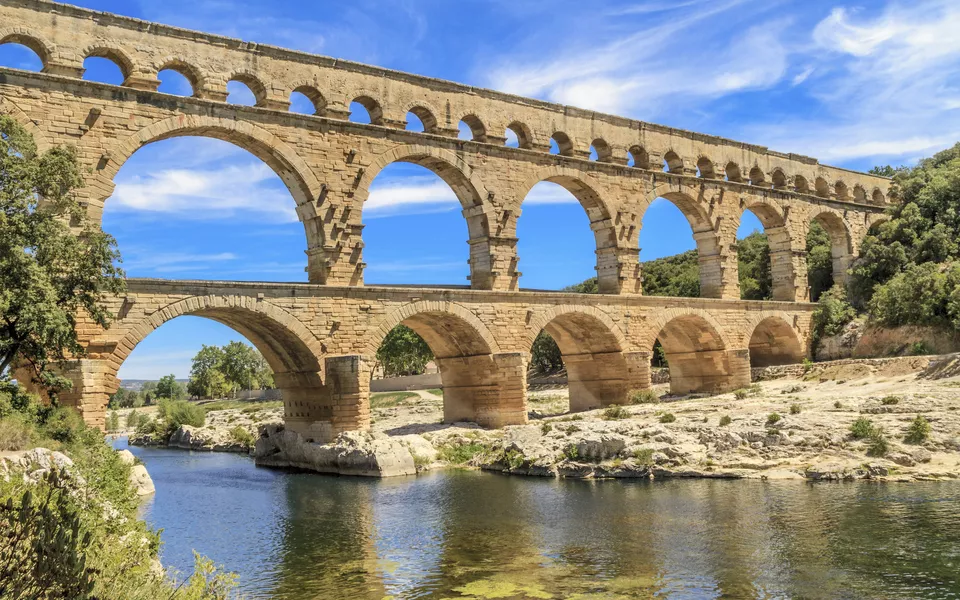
pixel 549 193
pixel 167 262
pixel 409 195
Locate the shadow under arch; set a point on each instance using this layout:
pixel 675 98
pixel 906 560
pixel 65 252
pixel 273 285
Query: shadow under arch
pixel 774 341
pixel 592 349
pixel 479 383
pixel 699 357
pixel 286 344
pixel 598 212
pixel 469 190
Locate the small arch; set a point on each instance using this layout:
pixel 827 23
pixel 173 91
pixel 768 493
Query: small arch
pixel 757 176
pixel 314 99
pixel 732 172
pixel 27 38
pixel 774 342
pixel 185 70
pixel 705 168
pixel 600 151
pixel 859 194
pixel 560 143
pixel 638 157
pixel 672 162
pixel 779 179
pixel 426 118
pixel 801 185
pixel 822 187
pixel 366 104
pixel 878 197
pixel 253 84
pixel 522 133
pixel 841 190
pixel 115 55
pixel 473 126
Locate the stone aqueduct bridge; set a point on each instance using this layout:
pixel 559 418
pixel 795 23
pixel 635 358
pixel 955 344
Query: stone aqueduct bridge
pixel 318 336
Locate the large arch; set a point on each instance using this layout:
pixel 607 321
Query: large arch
pixel 773 341
pixel 289 348
pixel 9 107
pixel 592 349
pixel 598 212
pixel 841 242
pixel 479 383
pixel 772 216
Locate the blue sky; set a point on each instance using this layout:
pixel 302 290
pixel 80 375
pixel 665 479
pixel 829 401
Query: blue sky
pixel 853 83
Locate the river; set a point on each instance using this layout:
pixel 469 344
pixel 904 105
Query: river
pixel 464 534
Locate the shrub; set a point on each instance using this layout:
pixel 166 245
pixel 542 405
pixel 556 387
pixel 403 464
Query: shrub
pixel 740 394
pixel 133 419
pixel 459 454
pixel 807 365
pixel 545 428
pixel 667 418
pixel 837 404
pixel 773 418
pixel 919 349
pixel 615 412
pixel 878 445
pixel 113 422
pixel 644 397
pixel 180 412
pixel 918 432
pixel 890 400
pixel 571 452
pixel 16 433
pixel 832 314
pixel 644 456
pixel 725 420
pixel 64 425
pixel 240 435
pixel 861 428
pixel 794 409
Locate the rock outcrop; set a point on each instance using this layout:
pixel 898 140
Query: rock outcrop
pixel 139 477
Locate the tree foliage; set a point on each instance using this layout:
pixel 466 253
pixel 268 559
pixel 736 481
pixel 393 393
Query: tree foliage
pixel 219 371
pixel 170 389
pixel 403 352
pixel 753 258
pixel 545 354
pixel 56 266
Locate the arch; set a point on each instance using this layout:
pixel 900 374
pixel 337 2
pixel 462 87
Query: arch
pixel 682 314
pixel 773 341
pixel 286 344
pixel 757 176
pixel 841 242
pixel 569 320
pixel 294 172
pixel 372 106
pixel 426 116
pixel 450 329
pixel 523 133
pixel 698 217
pixel 696 351
pixel 193 74
pixel 478 131
pixel 800 184
pixel 878 197
pixel 564 143
pixel 779 179
pixel 603 150
pixel 114 54
pixel 252 81
pixel 313 95
pixel 732 171
pixel 822 188
pixel 32 40
pixel 641 159
pixel 783 284
pixel 705 168
pixel 859 194
pixel 841 190
pixel 673 162
pixel 9 107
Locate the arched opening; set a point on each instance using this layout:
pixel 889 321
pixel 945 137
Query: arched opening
pixel 705 168
pixel 878 197
pixel 671 249
pixel 828 253
pixel 477 385
pixel 764 258
pixel 822 187
pixel 365 109
pixel 732 172
pixel 20 52
pixel 774 342
pixel 246 90
pixel 178 79
pixel 841 190
pixel 307 100
pixel 779 180
pixel 189 208
pixel 697 357
pixel 859 194
pixel 638 157
pixel 600 151
pixel 471 128
pixel 560 143
pixel 757 177
pixel 519 136
pixel 672 162
pixel 555 248
pixel 414 231
pixel 421 119
pixel 801 185
pixel 590 353
pixel 106 66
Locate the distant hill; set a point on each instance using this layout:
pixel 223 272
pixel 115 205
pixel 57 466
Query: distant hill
pixel 137 384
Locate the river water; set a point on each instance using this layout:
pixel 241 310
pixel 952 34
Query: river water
pixel 464 534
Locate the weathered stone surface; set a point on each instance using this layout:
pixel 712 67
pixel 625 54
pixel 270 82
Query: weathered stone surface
pixel 139 477
pixel 33 464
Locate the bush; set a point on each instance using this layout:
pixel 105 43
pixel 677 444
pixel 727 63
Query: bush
pixel 890 400
pixel 862 428
pixel 918 432
pixel 241 436
pixel 667 418
pixel 644 397
pixel 16 433
pixel 459 454
pixel 113 422
pixel 64 425
pixel 832 314
pixel 917 296
pixel 878 445
pixel 725 420
pixel 773 418
pixel 615 412
pixel 740 394
pixel 133 419
pixel 644 456
pixel 180 412
pixel 920 348
pixel 794 409
pixel 837 404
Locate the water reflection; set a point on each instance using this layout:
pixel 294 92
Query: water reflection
pixel 475 535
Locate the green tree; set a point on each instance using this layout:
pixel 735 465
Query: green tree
pixel 545 354
pixel 819 261
pixel 54 262
pixel 206 375
pixel 124 398
pixel 244 367
pixel 677 275
pixel 403 352
pixel 168 387
pixel 753 258
pixel 148 391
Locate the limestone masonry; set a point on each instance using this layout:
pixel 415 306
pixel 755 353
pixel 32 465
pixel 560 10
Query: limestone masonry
pixel 321 339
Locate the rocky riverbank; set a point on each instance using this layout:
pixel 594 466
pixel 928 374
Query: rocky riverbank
pixel 794 424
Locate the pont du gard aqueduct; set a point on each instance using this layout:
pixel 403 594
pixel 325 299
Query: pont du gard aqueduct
pixel 321 337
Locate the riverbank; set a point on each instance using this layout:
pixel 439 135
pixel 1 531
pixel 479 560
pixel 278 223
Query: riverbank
pixel 798 426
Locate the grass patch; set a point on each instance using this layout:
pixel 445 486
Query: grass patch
pixel 773 418
pixel 435 391
pixel 615 412
pixel 667 418
pixel 643 456
pixel 246 407
pixel 890 400
pixel 459 454
pixel 862 428
pixel 794 409
pixel 390 399
pixel 918 432
pixel 643 397
pixel 725 420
